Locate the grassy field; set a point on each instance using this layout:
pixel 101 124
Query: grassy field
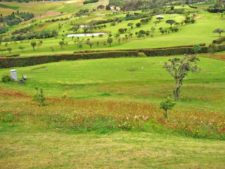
pixel 189 34
pixel 124 89
pixel 45 7
pixel 134 78
pixel 105 113
pixel 119 150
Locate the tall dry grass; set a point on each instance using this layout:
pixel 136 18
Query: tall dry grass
pixel 110 115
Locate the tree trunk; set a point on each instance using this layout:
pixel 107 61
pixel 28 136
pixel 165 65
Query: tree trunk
pixel 166 114
pixel 176 91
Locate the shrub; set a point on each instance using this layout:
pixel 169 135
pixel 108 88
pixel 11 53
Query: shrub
pixel 167 105
pixel 138 24
pixel 174 29
pixel 90 1
pixel 3 29
pixel 145 20
pixel 136 16
pixel 16 18
pixel 33 35
pixel 6 79
pixel 142 33
pixel 82 12
pixel 110 41
pixel 122 30
pixel 219 31
pixel 216 9
pixel 219 40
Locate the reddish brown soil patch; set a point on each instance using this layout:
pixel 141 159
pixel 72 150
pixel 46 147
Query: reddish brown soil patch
pixel 217 56
pixel 12 93
pixel 49 14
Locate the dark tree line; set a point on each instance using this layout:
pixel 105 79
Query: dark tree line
pixel 147 4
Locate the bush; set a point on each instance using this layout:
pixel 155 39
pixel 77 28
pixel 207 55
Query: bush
pixel 167 105
pixel 214 9
pixel 6 79
pixel 219 41
pixel 142 33
pixel 16 18
pixel 138 24
pixel 82 12
pixel 35 35
pixel 90 1
pixel 145 20
pixel 136 16
pixel 122 30
pixel 3 29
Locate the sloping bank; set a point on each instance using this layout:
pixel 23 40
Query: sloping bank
pixel 6 62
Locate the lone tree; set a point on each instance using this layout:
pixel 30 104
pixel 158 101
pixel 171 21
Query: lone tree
pixel 89 43
pixel 179 68
pixel 171 22
pixel 33 44
pixel 167 105
pixel 110 41
pixel 61 44
pixel 219 31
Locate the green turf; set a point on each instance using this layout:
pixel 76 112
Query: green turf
pixel 8 6
pixel 199 32
pixel 133 78
pixel 105 113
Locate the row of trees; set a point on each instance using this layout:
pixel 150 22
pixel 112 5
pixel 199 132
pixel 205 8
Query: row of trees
pixel 149 4
pixel 15 18
pixel 88 42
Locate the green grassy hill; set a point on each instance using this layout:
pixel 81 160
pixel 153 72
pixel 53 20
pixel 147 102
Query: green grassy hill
pixel 105 113
pixel 141 80
pixel 99 111
pixel 62 17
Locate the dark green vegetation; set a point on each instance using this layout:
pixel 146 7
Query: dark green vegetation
pixel 112 108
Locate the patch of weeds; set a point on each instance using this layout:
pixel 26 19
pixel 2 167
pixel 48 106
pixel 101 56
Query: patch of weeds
pixel 8 118
pixel 105 94
pixel 132 69
pixel 153 126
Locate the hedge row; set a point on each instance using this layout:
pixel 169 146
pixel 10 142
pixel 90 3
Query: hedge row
pixel 89 1
pixel 219 48
pixel 173 51
pixel 28 61
pixel 219 40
